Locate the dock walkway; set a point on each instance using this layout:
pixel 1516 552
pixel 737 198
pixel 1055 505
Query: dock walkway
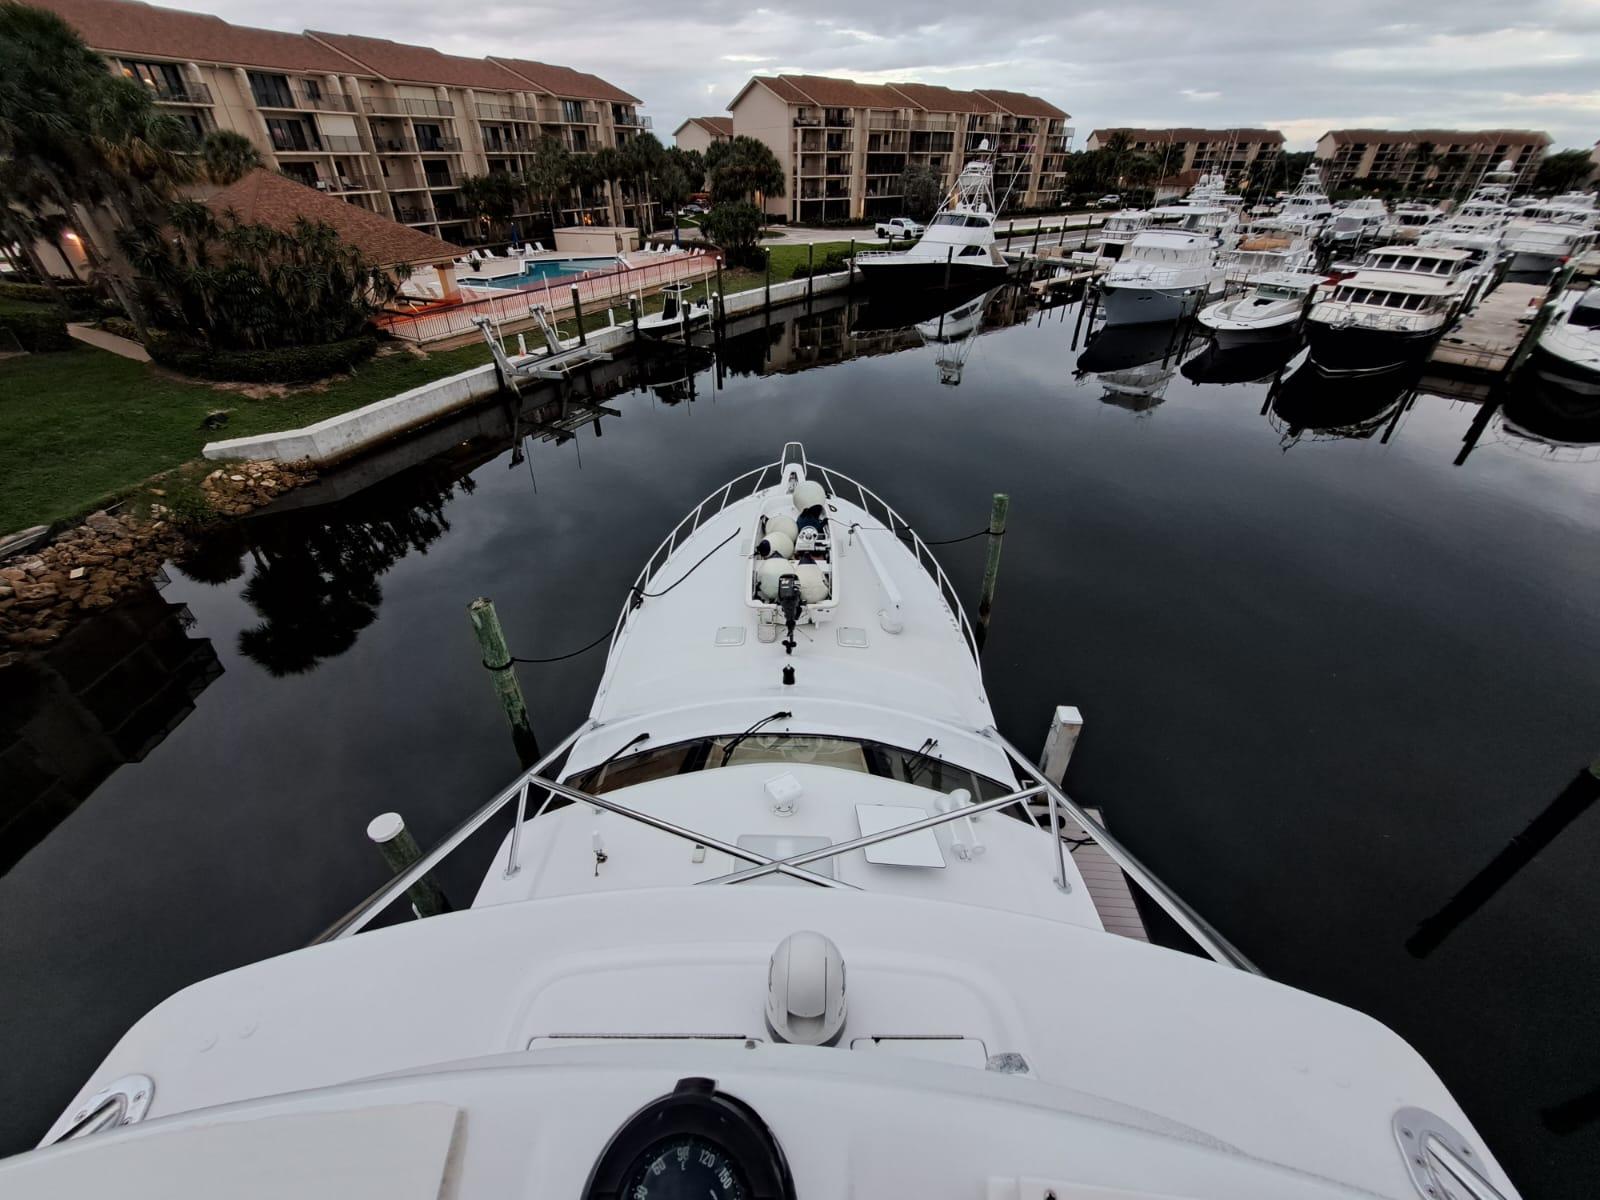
pixel 1487 338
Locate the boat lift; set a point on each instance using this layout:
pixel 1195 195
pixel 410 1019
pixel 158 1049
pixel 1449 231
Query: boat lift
pixel 556 361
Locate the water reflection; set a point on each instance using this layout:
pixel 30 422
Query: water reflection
pixel 1257 362
pixel 107 694
pixel 1133 364
pixel 1309 404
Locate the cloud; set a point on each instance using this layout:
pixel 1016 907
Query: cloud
pixel 1193 94
pixel 747 58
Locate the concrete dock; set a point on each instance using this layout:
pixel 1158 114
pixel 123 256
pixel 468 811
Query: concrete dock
pixel 1487 338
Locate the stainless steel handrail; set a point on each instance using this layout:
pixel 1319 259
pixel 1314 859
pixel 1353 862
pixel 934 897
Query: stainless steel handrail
pixel 359 916
pixel 689 835
pixel 1192 923
pixel 872 839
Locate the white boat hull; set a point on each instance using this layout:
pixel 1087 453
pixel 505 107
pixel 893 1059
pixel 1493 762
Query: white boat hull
pixel 1142 304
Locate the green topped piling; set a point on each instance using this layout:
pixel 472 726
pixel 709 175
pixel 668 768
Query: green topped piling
pixel 496 657
pixel 400 850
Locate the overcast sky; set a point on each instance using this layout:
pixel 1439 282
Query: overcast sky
pixel 1288 65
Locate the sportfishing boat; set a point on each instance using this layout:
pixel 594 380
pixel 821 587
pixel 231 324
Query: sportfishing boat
pixel 1270 310
pixel 1568 351
pixel 1480 224
pixel 679 312
pixel 1306 209
pixel 1409 221
pixel 1164 275
pixel 956 251
pixel 1357 221
pixel 1387 314
pixel 786 918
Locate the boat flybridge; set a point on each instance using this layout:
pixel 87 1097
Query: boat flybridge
pixel 1357 221
pixel 1479 224
pixel 1306 209
pixel 1409 221
pixel 957 250
pixel 785 917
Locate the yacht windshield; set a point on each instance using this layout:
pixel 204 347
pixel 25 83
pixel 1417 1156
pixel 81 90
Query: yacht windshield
pixel 921 767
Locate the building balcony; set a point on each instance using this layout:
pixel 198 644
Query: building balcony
pixel 342 143
pixel 184 93
pixel 393 145
pixel 440 179
pixel 884 120
pixel 405 106
pixel 408 214
pixel 631 120
pixel 442 145
pixel 504 112
pixel 284 145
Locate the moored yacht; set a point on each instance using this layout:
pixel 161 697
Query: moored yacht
pixel 1307 209
pixel 1357 221
pixel 957 250
pixel 1118 230
pixel 1390 311
pixel 1540 248
pixel 1409 221
pixel 1568 351
pixel 761 928
pixel 1269 310
pixel 1164 275
pixel 1479 225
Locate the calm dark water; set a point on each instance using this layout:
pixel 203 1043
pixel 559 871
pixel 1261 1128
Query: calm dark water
pixel 1331 665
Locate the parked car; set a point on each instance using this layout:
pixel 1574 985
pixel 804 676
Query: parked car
pixel 690 210
pixel 898 227
pixel 1109 202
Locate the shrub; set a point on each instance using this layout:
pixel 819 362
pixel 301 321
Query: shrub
pixel 286 364
pixel 120 326
pixel 79 298
pixel 834 262
pixel 38 328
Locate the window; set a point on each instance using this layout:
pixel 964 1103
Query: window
pixel 572 111
pixel 429 137
pixel 163 79
pixel 291 134
pixel 313 89
pixel 270 91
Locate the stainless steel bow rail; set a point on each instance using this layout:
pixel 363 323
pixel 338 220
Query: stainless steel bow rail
pixel 535 779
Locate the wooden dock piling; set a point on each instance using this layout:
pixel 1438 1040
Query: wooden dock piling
pixel 577 315
pixel 400 850
pixel 1066 723
pixel 497 658
pixel 991 564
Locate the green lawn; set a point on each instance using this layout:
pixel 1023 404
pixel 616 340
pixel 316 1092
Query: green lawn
pixel 80 428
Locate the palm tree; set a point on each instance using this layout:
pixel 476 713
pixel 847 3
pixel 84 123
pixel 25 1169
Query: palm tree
pixel 491 198
pixel 549 174
pixel 227 157
pixel 609 167
pixel 642 157
pixel 742 167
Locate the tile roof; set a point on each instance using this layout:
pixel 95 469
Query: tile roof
pixel 779 86
pixel 1446 136
pixel 1191 135
pixel 828 92
pixel 1021 104
pixel 129 27
pixel 564 81
pixel 933 98
pixel 420 64
pixel 267 198
pixel 716 126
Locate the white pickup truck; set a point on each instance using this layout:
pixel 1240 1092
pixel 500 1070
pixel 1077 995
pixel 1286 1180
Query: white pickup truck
pixel 898 227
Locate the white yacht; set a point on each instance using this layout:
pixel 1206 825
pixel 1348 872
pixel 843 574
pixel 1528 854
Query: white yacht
pixel 1357 221
pixel 1164 275
pixel 1390 311
pixel 1118 230
pixel 1307 209
pixel 789 920
pixel 1478 225
pixel 1265 252
pixel 1544 247
pixel 1270 310
pixel 957 250
pixel 1568 351
pixel 1409 221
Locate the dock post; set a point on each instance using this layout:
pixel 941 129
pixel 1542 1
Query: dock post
pixel 634 305
pixel 399 849
pixel 811 271
pixel 767 253
pixel 577 314
pixel 991 564
pixel 720 314
pixel 497 658
pixel 850 279
pixel 1066 723
pixel 1037 230
pixel 949 257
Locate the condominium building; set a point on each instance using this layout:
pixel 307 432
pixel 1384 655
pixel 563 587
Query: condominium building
pixel 1237 153
pixel 700 133
pixel 390 127
pixel 844 145
pixel 1442 159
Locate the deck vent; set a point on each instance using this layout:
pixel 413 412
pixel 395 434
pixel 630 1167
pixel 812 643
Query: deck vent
pixel 805 990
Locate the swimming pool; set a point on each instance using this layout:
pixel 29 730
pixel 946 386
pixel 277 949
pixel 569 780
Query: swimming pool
pixel 538 271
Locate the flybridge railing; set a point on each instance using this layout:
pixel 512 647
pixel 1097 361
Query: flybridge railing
pixel 535 779
pixel 753 482
pixel 596 289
